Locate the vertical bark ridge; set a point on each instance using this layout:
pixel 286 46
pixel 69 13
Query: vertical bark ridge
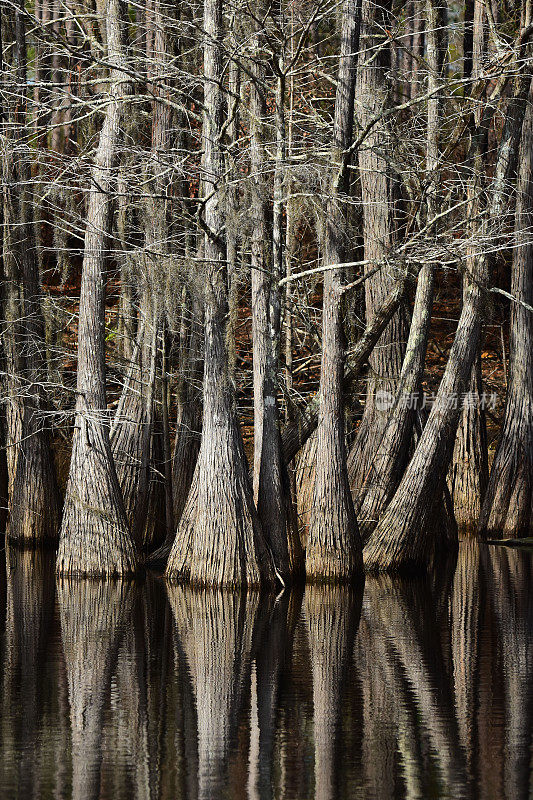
pixel 333 551
pixel 219 541
pixel 95 537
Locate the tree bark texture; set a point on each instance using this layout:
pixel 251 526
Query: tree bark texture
pixel 405 536
pixel 219 541
pixel 393 451
pixel 333 551
pixel 95 537
pixel 379 211
pixel 34 500
pixel 270 480
pixel 508 507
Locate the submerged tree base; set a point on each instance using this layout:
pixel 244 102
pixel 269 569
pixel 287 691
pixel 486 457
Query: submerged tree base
pixel 219 541
pixel 95 540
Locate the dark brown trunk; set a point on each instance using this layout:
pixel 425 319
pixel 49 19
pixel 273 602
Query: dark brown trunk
pixel 34 500
pixel 508 507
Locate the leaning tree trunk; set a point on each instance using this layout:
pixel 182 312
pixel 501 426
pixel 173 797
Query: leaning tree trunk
pixel 392 453
pixel 34 502
pixel 403 536
pixel 219 541
pixel 333 551
pixel 377 195
pixel 508 507
pixel 95 538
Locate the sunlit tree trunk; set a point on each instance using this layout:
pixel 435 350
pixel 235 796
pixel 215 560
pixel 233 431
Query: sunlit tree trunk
pixel 333 549
pixel 95 537
pixel 219 540
pixel 404 536
pixel 379 229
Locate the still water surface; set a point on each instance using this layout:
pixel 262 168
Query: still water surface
pixel 412 688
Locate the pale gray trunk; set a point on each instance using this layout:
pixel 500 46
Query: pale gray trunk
pixel 403 537
pixel 95 538
pixel 219 541
pixel 377 195
pixel 333 550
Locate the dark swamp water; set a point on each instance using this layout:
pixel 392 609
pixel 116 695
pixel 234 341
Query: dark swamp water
pixel 413 688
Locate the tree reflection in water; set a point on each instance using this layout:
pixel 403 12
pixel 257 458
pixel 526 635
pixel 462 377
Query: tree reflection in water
pixel 420 687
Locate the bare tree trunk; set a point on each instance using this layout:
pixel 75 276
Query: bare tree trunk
pixel 219 539
pixel 377 195
pixel 403 536
pixel 34 500
pixel 393 451
pixel 95 538
pixel 271 483
pixel 134 431
pixel 333 549
pixel 508 506
pixel 469 472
